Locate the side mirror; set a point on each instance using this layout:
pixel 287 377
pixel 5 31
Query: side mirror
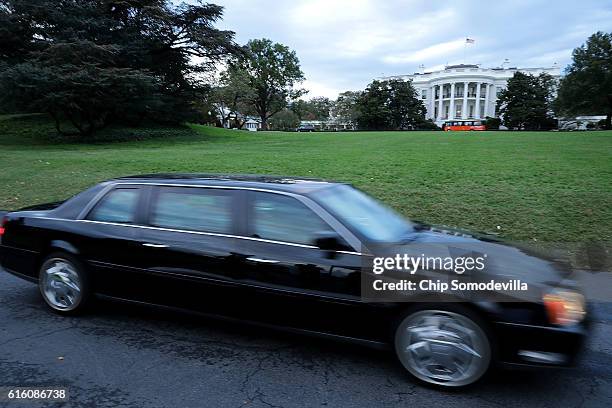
pixel 330 241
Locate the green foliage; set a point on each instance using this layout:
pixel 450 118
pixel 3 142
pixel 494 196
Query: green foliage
pixel 284 120
pixel 428 124
pixel 78 81
pixel 492 123
pixel 93 63
pixel 317 108
pixel 273 71
pixel 344 109
pixel 526 103
pixel 390 105
pixel 587 87
pixel 231 99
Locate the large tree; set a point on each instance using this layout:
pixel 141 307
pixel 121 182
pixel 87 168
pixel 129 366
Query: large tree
pixel 96 61
pixel 273 72
pixel 526 103
pixel 587 87
pixel 317 108
pixel 344 108
pixel 390 105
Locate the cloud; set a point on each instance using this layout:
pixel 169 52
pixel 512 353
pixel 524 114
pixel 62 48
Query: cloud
pixel 440 50
pixel 345 44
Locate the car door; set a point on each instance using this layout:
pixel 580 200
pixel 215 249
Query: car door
pixel 188 248
pixel 296 284
pixel 110 239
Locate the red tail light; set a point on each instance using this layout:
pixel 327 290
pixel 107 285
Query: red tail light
pixel 2 229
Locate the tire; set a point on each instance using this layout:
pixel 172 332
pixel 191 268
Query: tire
pixel 444 345
pixel 64 284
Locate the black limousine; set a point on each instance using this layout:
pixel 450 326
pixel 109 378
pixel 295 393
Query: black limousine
pixel 284 253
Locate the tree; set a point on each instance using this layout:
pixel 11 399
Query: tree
pixel 392 105
pixel 344 109
pixel 273 71
pixel 231 98
pixel 587 87
pixel 317 108
pixel 300 108
pixel 320 107
pixel 94 62
pixel 284 120
pixel 87 94
pixel 526 103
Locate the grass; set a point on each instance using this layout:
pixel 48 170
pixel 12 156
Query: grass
pixel 530 186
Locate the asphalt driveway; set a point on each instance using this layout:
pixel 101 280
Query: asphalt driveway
pixel 129 356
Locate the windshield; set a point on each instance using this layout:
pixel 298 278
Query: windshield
pixel 364 214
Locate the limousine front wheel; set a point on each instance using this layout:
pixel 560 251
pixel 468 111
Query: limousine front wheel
pixel 63 283
pixel 443 347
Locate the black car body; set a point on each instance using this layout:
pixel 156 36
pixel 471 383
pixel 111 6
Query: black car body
pixel 139 240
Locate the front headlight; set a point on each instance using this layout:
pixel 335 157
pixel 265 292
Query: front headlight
pixel 564 307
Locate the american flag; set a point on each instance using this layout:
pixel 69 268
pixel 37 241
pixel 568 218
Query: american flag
pixel 469 40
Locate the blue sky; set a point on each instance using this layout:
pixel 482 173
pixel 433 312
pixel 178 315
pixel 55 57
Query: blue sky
pixel 344 44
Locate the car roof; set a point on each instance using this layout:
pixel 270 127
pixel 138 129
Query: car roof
pixel 269 182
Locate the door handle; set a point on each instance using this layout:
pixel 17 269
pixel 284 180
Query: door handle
pixel 260 260
pixel 150 245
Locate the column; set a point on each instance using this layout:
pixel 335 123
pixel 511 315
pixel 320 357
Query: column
pixel 487 91
pixel 451 110
pixel 432 102
pixel 440 102
pixel 464 113
pixel 477 106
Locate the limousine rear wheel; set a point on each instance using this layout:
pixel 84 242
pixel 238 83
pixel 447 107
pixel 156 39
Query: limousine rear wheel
pixel 445 346
pixel 63 283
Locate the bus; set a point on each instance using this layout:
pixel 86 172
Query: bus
pixel 455 125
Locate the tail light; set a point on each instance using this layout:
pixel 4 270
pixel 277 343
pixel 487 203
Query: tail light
pixel 3 225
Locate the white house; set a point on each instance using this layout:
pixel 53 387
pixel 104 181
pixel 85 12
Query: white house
pixel 465 91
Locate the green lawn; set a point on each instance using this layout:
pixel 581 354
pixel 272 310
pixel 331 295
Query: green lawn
pixel 540 187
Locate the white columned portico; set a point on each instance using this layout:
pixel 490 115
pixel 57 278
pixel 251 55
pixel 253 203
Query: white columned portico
pixel 451 110
pixel 486 106
pixel 441 86
pixel 477 107
pixel 464 114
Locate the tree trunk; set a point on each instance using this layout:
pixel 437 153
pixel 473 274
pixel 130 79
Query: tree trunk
pixel 608 124
pixel 264 122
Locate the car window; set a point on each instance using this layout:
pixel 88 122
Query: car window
pixel 283 218
pixel 195 209
pixel 119 205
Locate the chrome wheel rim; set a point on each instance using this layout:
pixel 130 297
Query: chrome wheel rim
pixel 60 284
pixel 443 348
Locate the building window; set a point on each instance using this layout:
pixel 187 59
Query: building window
pixel 423 93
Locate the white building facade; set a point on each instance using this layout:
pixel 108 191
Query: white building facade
pixel 465 91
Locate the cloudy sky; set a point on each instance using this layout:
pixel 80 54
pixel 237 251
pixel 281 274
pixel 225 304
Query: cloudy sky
pixel 344 44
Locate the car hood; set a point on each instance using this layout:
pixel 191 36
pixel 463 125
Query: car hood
pixel 503 260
